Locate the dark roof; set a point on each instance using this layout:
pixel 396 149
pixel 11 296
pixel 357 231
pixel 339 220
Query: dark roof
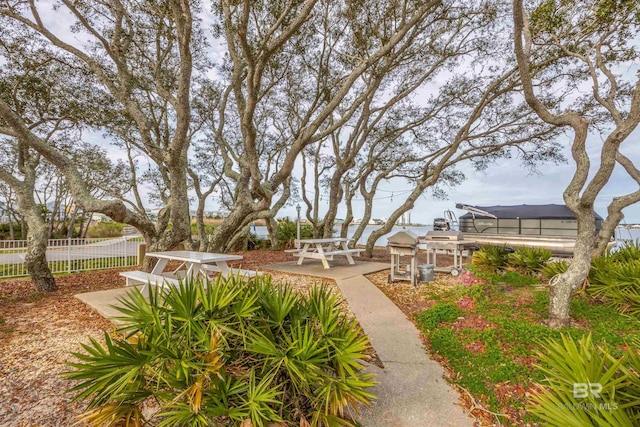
pixel 527 211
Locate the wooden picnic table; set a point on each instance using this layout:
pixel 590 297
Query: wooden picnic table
pixel 325 250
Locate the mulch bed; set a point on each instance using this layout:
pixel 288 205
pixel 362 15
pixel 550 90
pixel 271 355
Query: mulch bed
pixel 38 332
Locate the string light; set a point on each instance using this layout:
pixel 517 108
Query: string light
pixel 355 196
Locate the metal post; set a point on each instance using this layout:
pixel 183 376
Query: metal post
pixel 298 227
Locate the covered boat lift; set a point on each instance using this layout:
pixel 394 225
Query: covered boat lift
pixel 551 226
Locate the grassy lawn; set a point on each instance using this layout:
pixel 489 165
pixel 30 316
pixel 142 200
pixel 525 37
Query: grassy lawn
pixel 488 335
pixel 63 267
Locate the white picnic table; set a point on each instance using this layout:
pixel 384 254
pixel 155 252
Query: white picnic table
pixel 194 262
pixel 325 250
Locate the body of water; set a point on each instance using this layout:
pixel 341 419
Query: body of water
pixel 627 234
pixel 261 231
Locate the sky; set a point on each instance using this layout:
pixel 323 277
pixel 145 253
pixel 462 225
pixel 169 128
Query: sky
pixel 507 183
pixel 504 183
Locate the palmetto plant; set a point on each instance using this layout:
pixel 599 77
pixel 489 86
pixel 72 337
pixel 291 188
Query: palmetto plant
pixel 529 260
pixel 287 232
pixel 225 353
pixel 586 385
pixel 615 277
pixel 553 268
pixel 490 257
pixel 617 283
pixel 628 251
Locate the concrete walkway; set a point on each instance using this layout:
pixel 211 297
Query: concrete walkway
pixel 412 391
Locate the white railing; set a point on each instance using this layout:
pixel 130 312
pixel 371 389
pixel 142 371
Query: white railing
pixel 69 255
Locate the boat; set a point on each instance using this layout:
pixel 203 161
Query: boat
pixel 551 226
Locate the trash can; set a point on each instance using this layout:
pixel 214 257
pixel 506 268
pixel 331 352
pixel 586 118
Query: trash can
pixel 426 272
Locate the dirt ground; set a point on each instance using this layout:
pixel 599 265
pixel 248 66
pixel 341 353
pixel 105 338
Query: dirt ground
pixel 38 333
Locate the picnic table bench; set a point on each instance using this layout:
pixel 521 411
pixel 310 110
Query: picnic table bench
pixel 324 250
pixel 192 264
pixel 136 277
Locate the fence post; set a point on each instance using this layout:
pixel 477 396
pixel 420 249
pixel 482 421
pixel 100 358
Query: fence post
pixel 69 255
pixel 124 251
pixel 142 250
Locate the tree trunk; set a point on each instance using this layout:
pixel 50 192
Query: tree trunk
pixel 226 231
pixel 72 223
pixel 87 225
pixel 335 196
pixel 53 217
pixel 36 262
pixel 202 234
pixel 563 286
pixel 239 240
pixel 36 257
pixel 272 230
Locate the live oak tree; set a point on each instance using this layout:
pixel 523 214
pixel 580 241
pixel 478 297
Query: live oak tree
pixel 471 113
pixel 596 44
pixel 23 183
pixel 140 56
pixel 485 123
pixel 293 76
pixel 392 107
pixel 31 92
pixel 33 85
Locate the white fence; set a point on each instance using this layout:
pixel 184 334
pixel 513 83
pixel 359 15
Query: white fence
pixel 69 255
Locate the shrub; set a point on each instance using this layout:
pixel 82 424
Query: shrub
pixel 566 364
pixel 490 257
pixel 615 278
pixel 530 260
pixel 208 228
pixel 554 268
pixel 5 231
pixel 617 283
pixel 256 242
pixel 439 313
pixel 628 251
pixel 105 229
pixel 227 353
pixel 288 232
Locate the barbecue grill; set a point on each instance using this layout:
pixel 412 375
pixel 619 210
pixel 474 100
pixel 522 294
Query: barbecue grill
pixel 445 242
pixel 403 244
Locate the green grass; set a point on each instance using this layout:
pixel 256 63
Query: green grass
pixel 502 349
pixel 63 267
pixel 439 313
pixel 507 277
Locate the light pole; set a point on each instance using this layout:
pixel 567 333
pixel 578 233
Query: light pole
pixel 298 228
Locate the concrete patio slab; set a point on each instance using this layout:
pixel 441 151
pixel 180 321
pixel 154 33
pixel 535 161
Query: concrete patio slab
pixel 340 269
pixel 102 301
